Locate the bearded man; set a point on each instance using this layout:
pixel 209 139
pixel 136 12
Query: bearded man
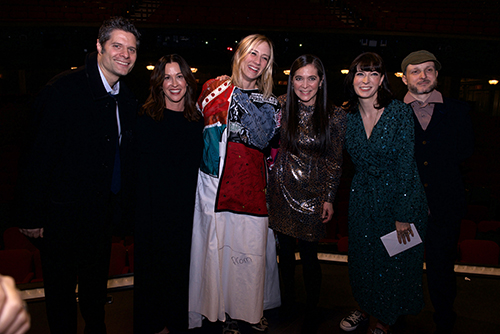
pixel 443 140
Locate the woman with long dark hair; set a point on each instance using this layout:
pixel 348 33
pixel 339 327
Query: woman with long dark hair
pixel 386 196
pixel 305 176
pixel 170 139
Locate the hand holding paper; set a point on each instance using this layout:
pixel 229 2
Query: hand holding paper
pixel 393 246
pixel 404 231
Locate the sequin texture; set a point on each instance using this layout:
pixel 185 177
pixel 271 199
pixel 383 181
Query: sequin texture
pixel 300 183
pixel 386 188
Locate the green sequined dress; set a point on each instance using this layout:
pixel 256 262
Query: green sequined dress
pixel 386 188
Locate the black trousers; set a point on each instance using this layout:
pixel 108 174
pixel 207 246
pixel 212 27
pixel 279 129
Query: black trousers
pixel 311 269
pixel 441 253
pixel 62 263
pixel 79 255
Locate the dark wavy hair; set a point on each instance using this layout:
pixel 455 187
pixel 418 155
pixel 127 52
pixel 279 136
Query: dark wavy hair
pixel 114 23
pixel 155 103
pixel 368 61
pixel 322 107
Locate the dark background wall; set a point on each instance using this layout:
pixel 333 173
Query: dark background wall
pixel 41 38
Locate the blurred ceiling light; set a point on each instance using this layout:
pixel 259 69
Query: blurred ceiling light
pixel 287 72
pixel 399 74
pixel 150 67
pixel 493 82
pixel 194 69
pixel 74 67
pixel 344 71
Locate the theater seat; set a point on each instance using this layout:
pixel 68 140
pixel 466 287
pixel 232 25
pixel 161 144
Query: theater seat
pixel 130 252
pixel 484 252
pixel 37 261
pixel 342 227
pixel 13 239
pixel 343 245
pixel 477 213
pixel 18 264
pixel 467 230
pixel 488 225
pixel 117 263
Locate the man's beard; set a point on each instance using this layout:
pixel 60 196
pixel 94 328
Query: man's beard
pixel 415 89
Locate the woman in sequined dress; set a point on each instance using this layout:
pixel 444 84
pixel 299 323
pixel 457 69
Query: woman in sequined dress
pixel 386 195
pixel 305 176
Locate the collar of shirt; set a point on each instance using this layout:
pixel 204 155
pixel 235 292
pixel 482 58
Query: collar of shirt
pixel 111 90
pixel 424 110
pixel 435 97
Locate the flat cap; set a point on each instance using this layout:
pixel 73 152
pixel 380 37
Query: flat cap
pixel 419 57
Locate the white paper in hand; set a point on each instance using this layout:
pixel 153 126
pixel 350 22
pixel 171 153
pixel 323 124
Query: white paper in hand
pixel 393 246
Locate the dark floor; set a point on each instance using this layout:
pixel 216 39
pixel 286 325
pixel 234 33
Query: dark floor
pixel 477 305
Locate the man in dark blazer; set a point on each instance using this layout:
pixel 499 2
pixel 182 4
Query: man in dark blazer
pixel 79 175
pixel 443 140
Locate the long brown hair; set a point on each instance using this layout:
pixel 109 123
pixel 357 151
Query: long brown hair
pixel 322 107
pixel 155 103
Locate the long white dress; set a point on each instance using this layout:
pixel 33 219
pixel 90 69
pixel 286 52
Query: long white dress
pixel 233 255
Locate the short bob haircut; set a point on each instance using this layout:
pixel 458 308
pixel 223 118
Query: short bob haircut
pixel 120 23
pixel 371 62
pixel 322 107
pixel 246 45
pixel 155 103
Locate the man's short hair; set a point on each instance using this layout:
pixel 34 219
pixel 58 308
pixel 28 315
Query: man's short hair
pixel 114 23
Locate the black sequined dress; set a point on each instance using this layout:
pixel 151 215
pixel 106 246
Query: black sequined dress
pixel 300 183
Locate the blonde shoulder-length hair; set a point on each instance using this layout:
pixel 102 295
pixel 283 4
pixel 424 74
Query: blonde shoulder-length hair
pixel 246 45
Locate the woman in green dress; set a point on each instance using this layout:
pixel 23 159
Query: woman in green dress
pixel 386 195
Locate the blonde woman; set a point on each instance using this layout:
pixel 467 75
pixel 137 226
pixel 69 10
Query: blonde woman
pixel 229 275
